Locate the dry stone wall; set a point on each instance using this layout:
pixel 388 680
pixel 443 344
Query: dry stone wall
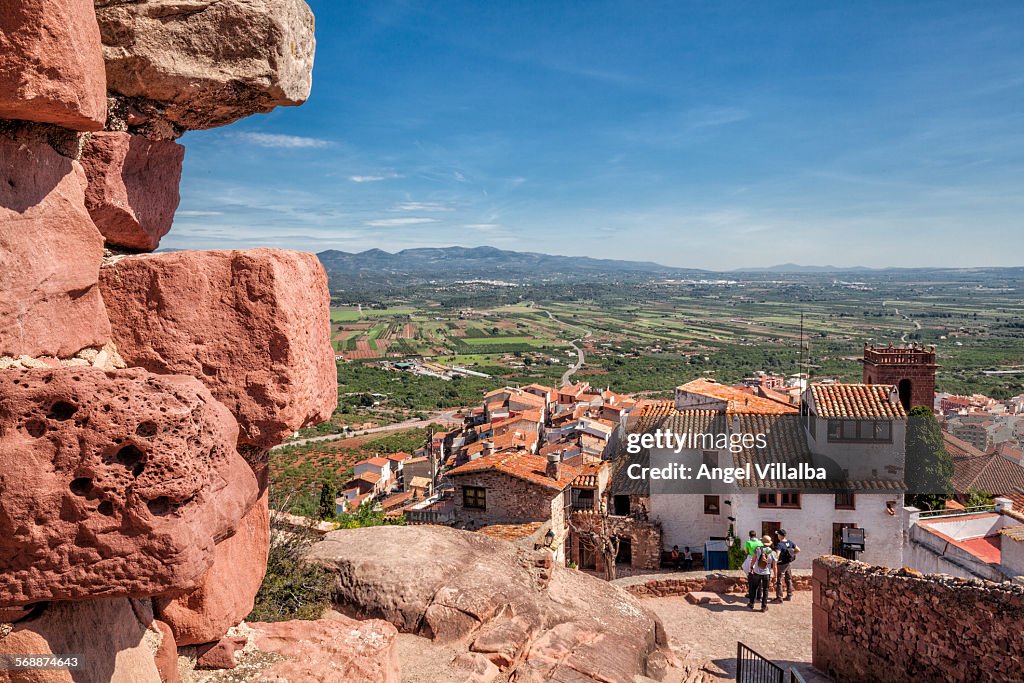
pixel 877 624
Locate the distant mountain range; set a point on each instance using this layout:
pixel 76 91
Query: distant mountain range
pixel 460 263
pixel 449 264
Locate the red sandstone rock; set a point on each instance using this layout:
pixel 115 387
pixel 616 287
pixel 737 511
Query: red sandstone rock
pixel 112 483
pixel 328 650
pixel 473 667
pixel 220 655
pixel 207 63
pixel 465 589
pixel 133 187
pixel 50 253
pixel 253 325
pixel 166 656
pixel 227 591
pixel 51 64
pixel 111 635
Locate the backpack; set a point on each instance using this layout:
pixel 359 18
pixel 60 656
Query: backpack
pixel 762 558
pixel 785 552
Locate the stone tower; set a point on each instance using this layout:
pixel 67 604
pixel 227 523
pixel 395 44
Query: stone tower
pixel 910 368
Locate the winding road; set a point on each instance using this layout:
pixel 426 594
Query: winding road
pixel 443 416
pixel 580 357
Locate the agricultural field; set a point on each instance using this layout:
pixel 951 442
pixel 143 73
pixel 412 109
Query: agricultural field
pixel 650 336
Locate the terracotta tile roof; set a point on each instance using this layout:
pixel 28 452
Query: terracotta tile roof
pixel 958 448
pixel 988 473
pixel 855 401
pixel 510 532
pixel 397 501
pixel 399 457
pixel 371 477
pixel 522 465
pixel 588 476
pixel 376 462
pixel 737 400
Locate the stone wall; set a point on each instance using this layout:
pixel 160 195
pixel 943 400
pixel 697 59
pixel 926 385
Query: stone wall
pixel 510 500
pixel 671 584
pixel 873 623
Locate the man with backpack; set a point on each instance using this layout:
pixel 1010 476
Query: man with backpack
pixel 762 566
pixel 750 547
pixel 786 551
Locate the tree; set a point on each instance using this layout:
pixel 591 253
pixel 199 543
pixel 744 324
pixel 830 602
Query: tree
pixel 596 534
pixel 929 467
pixel 328 493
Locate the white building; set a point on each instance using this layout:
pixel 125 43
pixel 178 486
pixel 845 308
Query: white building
pixel 854 432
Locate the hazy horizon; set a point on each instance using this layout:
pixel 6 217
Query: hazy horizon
pixel 714 137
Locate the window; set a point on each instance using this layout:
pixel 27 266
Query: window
pixel 778 499
pixel 710 458
pixel 583 499
pixel 621 505
pixel 474 497
pixel 711 505
pixel 845 501
pixel 862 431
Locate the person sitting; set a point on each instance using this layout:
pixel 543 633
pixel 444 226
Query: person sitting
pixel 675 557
pixel 687 559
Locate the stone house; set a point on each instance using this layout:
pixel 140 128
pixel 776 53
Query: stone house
pixel 514 488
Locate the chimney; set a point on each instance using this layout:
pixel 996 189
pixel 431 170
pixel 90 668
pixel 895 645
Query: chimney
pixel 1002 504
pixel 554 468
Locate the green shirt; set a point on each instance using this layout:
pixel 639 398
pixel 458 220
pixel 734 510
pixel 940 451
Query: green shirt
pixel 752 545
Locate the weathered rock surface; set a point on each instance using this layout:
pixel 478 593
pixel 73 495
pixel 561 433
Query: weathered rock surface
pixel 323 651
pixel 132 188
pixel 50 254
pixel 205 63
pixel 115 638
pixel 113 483
pixel 253 325
pixel 166 655
pixel 227 591
pixel 543 623
pixel 51 64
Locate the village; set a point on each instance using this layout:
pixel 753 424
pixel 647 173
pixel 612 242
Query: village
pixel 548 467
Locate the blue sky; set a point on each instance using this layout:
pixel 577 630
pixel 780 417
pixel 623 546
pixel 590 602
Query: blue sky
pixel 711 135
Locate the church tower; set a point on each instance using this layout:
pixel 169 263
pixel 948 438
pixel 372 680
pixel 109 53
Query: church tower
pixel 911 369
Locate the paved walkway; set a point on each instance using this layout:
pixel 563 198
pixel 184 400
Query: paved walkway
pixel 782 634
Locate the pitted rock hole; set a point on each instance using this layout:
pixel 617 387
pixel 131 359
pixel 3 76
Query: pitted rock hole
pixel 146 429
pixel 62 410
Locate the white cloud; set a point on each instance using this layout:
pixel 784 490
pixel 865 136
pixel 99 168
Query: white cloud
pixel 197 214
pixel 373 178
pixel 421 206
pixel 484 227
pixel 282 141
pixel 399 222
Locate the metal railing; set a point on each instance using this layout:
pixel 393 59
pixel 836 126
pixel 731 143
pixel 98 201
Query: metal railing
pixel 752 667
pixel 945 512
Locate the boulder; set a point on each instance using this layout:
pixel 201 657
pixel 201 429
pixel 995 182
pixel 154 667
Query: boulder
pixel 51 64
pixel 322 651
pixel 227 591
pixel 113 483
pixel 166 655
pixel 495 598
pixel 253 325
pixel 50 255
pixel 219 655
pixel 114 638
pixel 205 63
pixel 132 190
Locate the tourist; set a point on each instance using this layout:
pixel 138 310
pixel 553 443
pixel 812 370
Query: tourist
pixel 687 559
pixel 675 557
pixel 751 546
pixel 762 566
pixel 786 551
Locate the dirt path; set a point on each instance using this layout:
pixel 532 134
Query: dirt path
pixel 782 634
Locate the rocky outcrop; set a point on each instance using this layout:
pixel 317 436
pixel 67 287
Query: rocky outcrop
pixel 132 190
pixel 227 591
pixel 540 622
pixel 50 254
pixel 205 63
pixel 51 64
pixel 253 325
pixel 115 638
pixel 113 483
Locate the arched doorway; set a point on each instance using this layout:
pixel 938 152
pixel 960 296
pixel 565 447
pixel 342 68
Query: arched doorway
pixel 905 388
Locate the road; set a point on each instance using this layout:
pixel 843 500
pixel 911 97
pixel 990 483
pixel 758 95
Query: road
pixel 580 357
pixel 917 325
pixel 446 416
